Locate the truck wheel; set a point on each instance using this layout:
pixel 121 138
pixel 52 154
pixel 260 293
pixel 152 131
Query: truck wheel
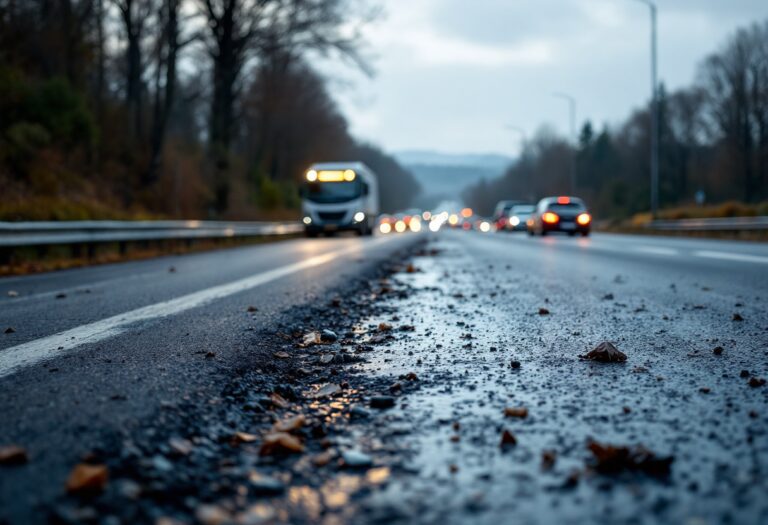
pixel 310 234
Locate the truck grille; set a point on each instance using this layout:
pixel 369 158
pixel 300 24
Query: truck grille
pixel 332 216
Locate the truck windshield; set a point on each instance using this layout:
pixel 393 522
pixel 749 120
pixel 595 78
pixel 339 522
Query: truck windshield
pixel 328 192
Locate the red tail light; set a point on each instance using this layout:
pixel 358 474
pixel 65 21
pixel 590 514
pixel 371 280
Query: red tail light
pixel 550 218
pixel 563 200
pixel 584 219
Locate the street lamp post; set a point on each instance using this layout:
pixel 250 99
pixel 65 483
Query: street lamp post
pixel 572 117
pixel 523 137
pixel 654 112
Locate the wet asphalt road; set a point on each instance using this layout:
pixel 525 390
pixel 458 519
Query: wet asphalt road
pixel 475 307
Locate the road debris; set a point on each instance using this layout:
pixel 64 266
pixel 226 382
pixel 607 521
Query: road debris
pixel 605 352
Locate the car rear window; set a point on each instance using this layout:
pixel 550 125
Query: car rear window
pixel 571 206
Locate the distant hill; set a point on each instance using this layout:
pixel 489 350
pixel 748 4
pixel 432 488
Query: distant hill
pixel 445 175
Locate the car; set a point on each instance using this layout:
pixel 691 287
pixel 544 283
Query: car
pixel 501 212
pixel 518 217
pixel 560 214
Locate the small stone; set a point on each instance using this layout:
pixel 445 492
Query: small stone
pixel 382 402
pixel 737 317
pixel 358 412
pixel 355 459
pixel 265 485
pixel 10 330
pixel 252 309
pixel 515 364
pixel 718 350
pixel 704 390
pixel 328 336
pixel 744 374
pixel 543 311
pixel 756 382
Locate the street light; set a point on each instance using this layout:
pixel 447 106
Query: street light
pixel 520 131
pixel 572 117
pixel 654 113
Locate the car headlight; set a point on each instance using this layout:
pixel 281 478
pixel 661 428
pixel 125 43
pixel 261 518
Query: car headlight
pixel 514 220
pixel 359 217
pixel 307 220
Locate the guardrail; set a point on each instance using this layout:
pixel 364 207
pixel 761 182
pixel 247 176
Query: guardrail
pixel 713 224
pixel 18 234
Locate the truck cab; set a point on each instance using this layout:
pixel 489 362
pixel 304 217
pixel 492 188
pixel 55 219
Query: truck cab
pixel 339 196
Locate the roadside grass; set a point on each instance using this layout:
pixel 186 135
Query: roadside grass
pixel 638 223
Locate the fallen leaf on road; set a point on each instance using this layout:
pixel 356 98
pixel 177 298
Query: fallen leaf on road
pixel 548 459
pixel 212 515
pixel 508 439
pixel 705 390
pixel 718 350
pixel 252 309
pixel 384 327
pixel 243 437
pixel 605 352
pixel 290 424
pixel 13 455
pixel 411 269
pixel 737 317
pixel 326 358
pixel 282 355
pixel 612 459
pixel 280 443
pixel 327 390
pixel 515 412
pixel 543 311
pixel 322 459
pixel 756 382
pixel 181 446
pixel 87 478
pixel 411 376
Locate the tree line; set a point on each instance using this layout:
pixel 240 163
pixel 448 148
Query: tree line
pixel 188 108
pixel 713 142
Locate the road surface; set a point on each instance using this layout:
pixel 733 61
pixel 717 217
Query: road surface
pixel 110 364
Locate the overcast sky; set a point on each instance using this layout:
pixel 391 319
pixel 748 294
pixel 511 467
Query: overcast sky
pixel 450 74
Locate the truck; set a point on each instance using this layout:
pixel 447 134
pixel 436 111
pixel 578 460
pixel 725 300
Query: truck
pixel 339 196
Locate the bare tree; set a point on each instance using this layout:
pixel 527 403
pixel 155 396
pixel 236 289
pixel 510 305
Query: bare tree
pixel 134 16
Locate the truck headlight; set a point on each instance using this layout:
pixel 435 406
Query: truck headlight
pixel 307 220
pixel 359 216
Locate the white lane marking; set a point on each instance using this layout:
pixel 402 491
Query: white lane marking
pixel 16 357
pixel 657 250
pixel 742 257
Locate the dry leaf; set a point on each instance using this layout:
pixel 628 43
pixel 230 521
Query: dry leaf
pixel 279 401
pixel 515 412
pixel 280 443
pixel 243 437
pixel 611 459
pixel 507 439
pixel 384 327
pixel 290 424
pixel 13 455
pixel 87 478
pixel 605 352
